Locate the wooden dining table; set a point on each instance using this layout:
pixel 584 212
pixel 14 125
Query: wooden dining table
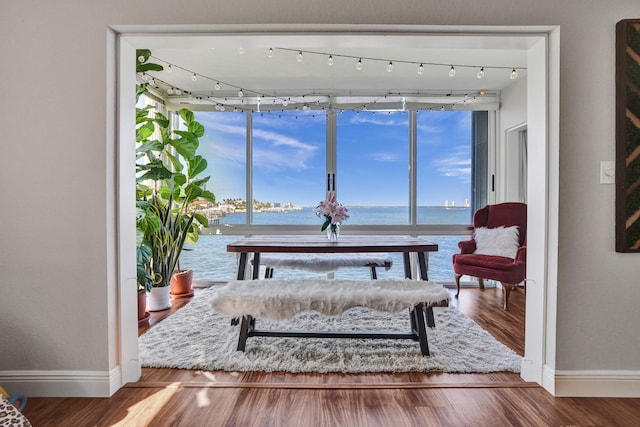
pixel 320 244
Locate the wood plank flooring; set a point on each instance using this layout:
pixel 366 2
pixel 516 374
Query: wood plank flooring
pixel 173 397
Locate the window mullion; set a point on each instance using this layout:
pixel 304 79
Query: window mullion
pixel 413 168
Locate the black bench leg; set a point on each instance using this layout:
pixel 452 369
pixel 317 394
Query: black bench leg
pixel 430 320
pixel 418 313
pixel 247 324
pixel 374 275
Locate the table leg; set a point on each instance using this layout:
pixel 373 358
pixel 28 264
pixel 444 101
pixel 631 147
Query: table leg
pixel 424 265
pixel 256 265
pixel 418 313
pixel 242 265
pixel 407 265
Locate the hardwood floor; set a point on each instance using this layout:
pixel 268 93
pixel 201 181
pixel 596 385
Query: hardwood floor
pixel 173 397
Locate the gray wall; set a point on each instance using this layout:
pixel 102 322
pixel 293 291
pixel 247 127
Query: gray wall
pixel 55 237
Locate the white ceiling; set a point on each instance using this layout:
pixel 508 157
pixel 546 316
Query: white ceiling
pixel 241 61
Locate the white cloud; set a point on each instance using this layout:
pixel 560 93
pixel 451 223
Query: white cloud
pixel 384 157
pixel 456 164
pixel 381 119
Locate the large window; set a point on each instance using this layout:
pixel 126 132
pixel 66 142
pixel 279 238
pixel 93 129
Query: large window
pixel 288 166
pixel 372 159
pixel 386 165
pixel 444 167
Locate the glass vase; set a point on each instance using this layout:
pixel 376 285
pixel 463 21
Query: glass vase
pixel 333 232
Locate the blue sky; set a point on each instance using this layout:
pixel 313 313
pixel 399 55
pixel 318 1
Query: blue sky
pixel 289 157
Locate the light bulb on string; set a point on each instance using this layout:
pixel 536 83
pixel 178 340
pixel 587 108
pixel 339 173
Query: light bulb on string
pixel 169 69
pixel 420 69
pixel 452 71
pixel 217 86
pixel 240 93
pixel 285 102
pixel 141 58
pixel 270 52
pixel 359 64
pixel 390 66
pixel 300 57
pixel 194 77
pixel 178 92
pixel 170 91
pixel 514 74
pixel 480 73
pixel 330 60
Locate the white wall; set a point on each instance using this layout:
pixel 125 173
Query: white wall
pixel 513 113
pixel 56 237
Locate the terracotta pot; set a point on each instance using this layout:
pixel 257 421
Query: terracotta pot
pixel 143 314
pixel 181 283
pixel 158 298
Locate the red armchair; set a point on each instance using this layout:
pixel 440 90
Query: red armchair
pixel 508 271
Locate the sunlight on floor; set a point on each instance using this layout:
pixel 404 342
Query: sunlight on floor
pixel 146 410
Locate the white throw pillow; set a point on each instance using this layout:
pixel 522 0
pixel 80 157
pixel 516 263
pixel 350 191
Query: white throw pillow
pixel 500 241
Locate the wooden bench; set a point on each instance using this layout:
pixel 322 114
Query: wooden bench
pixel 283 299
pixel 325 262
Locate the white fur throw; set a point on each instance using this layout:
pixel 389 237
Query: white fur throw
pixel 324 263
pixel 499 241
pixel 283 299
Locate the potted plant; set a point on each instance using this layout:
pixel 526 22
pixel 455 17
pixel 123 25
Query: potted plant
pixel 168 181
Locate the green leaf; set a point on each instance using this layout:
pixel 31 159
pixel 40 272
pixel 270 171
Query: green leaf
pixel 184 147
pixel 175 162
pixel 202 220
pixel 156 171
pixel 151 145
pixel 196 128
pixel 143 68
pixel 161 120
pixel 179 179
pixel 186 115
pixel 196 165
pixel 208 196
pixel 144 132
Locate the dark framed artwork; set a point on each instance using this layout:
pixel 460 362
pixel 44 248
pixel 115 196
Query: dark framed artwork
pixel 628 135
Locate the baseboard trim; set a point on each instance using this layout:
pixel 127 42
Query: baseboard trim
pixel 597 384
pixel 62 383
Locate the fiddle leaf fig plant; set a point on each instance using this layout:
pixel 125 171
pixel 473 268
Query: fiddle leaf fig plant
pixel 168 181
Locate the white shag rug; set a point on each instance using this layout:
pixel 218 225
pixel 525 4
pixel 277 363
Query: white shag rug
pixel 196 337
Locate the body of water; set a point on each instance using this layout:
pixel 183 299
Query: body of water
pixel 210 260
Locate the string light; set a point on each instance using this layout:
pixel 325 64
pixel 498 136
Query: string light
pixel 359 64
pixel 420 69
pixel 169 69
pixel 390 66
pixel 480 73
pixel 141 58
pixel 452 71
pixel 300 57
pixel 270 52
pixel 330 60
pixel 203 98
pixel 513 75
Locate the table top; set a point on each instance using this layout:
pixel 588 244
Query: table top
pixel 320 244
